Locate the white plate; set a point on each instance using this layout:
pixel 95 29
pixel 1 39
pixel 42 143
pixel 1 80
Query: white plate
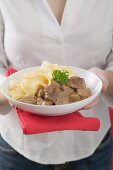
pixel 92 81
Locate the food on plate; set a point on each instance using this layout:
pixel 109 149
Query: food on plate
pixel 50 84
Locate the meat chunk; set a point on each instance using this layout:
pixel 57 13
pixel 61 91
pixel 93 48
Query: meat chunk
pixel 62 98
pixel 40 101
pixel 76 82
pixel 74 97
pixel 51 92
pixel 67 89
pixel 29 100
pixel 41 93
pixel 56 84
pixel 47 102
pixel 84 93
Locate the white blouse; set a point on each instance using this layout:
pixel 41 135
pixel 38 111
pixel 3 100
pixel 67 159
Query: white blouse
pixel 29 34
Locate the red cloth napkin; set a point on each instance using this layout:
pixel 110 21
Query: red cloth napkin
pixel 34 124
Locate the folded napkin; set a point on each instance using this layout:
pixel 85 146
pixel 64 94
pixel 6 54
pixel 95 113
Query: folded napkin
pixel 34 124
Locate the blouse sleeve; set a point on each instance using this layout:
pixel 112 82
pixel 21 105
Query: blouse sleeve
pixel 4 109
pixel 107 98
pixel 109 60
pixel 3 60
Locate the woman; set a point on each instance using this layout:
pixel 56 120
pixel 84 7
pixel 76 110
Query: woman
pixel 76 33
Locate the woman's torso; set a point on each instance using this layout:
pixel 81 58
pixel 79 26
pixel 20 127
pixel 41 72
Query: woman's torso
pixel 32 33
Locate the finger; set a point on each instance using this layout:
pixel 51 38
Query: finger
pixel 104 81
pixel 105 85
pixel 11 104
pixel 102 76
pixel 91 104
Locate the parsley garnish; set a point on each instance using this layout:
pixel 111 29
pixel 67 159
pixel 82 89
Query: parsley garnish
pixel 60 76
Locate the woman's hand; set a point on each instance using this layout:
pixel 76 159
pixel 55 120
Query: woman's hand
pixel 3 100
pixel 102 74
pixel 3 103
